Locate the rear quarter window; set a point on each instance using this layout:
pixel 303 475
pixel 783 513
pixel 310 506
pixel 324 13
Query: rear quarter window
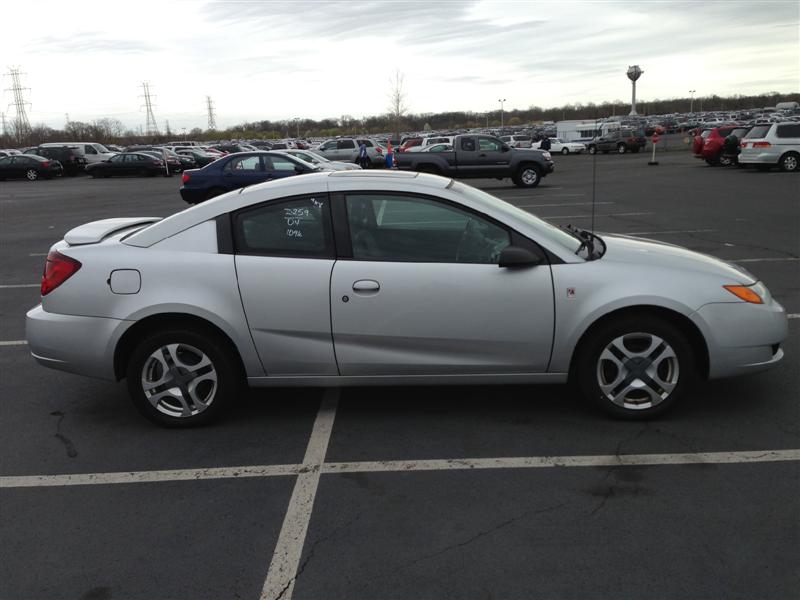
pixel 757 132
pixel 788 131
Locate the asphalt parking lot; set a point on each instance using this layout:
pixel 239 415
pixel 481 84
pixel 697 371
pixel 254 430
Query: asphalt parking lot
pixel 418 492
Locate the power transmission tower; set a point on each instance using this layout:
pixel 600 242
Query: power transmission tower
pixel 151 128
pixel 212 117
pixel 21 123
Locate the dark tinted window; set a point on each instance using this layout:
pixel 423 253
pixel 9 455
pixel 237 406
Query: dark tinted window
pixel 345 144
pixel 788 131
pixel 468 144
pixel 414 229
pixel 5 161
pixel 757 132
pixel 489 144
pixel 118 158
pixel 298 227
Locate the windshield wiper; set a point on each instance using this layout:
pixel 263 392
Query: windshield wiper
pixel 589 241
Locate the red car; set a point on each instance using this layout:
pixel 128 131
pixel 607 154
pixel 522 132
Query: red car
pixel 410 143
pixel 708 145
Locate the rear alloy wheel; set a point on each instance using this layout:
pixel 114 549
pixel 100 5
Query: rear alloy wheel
pixel 592 149
pixel 32 175
pixel 565 151
pixel 725 161
pixel 790 162
pixel 622 148
pixel 636 367
pixel 182 378
pixel 528 176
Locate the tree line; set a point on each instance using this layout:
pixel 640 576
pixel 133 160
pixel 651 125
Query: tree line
pixel 396 119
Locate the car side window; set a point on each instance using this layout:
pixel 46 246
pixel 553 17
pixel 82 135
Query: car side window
pixel 89 149
pixel 489 144
pixel 298 227
pixel 345 144
pixel 131 158
pixel 244 163
pixel 468 144
pixel 404 228
pixel 282 164
pixel 787 131
pixel 5 161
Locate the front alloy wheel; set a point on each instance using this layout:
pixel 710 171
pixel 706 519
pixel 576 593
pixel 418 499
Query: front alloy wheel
pixel 790 163
pixel 622 148
pixel 637 371
pixel 635 367
pixel 528 177
pixel 32 175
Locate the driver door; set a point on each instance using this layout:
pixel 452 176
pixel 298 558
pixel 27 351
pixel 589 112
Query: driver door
pixel 423 293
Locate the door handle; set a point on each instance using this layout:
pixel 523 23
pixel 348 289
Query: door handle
pixel 366 286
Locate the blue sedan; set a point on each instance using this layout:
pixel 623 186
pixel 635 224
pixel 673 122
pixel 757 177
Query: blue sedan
pixel 239 170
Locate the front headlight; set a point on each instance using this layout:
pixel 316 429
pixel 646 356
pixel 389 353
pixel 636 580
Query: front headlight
pixel 754 294
pixel 548 156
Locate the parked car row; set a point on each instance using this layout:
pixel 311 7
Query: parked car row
pixel 762 146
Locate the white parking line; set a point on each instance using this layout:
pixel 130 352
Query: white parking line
pixel 20 285
pixel 38 254
pixel 322 434
pixel 286 558
pixel 667 232
pixel 793 316
pixel 14 343
pixel 773 259
pixel 562 204
pixel 535 462
pixel 589 215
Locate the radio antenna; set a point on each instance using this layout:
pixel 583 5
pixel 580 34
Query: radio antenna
pixel 594 171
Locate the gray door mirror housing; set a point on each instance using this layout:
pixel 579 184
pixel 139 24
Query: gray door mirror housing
pixel 514 256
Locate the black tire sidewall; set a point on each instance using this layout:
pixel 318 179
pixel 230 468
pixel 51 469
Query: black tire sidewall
pixel 592 347
pixel 228 376
pixel 518 177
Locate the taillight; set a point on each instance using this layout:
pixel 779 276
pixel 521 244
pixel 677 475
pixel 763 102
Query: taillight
pixel 185 178
pixel 378 150
pixel 762 145
pixel 744 144
pixel 46 164
pixel 57 269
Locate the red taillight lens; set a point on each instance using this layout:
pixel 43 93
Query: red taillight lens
pixel 378 150
pixel 185 178
pixel 57 269
pixel 762 145
pixel 46 164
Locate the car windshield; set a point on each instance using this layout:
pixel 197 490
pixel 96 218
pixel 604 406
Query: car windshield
pixel 545 229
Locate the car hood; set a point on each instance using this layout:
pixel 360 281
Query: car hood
pixel 628 249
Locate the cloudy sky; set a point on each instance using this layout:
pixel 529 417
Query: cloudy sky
pixel 302 58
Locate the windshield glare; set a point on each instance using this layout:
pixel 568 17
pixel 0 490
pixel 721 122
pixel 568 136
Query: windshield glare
pixel 546 230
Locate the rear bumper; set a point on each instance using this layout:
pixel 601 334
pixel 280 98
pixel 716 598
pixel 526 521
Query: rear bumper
pixel 193 195
pixel 81 345
pixel 742 338
pixel 751 157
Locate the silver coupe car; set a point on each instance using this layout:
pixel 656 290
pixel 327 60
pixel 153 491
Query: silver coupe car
pixel 389 278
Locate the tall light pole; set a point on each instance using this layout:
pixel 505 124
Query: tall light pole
pixel 633 73
pixel 691 102
pixel 501 101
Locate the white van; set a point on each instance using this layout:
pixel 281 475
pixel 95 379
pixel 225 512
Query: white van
pixel 773 145
pixel 91 151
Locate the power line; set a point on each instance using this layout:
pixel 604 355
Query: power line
pixel 21 123
pixel 212 117
pixel 151 127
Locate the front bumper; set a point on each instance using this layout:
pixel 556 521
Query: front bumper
pixel 741 337
pixel 81 345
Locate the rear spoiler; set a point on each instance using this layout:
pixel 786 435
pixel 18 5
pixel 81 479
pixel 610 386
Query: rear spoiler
pixel 94 232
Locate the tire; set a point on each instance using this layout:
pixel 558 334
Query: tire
pixel 565 151
pixel 621 148
pixel 725 161
pixel 790 162
pixel 214 192
pixel 618 349
pixel 527 176
pixel 32 175
pixel 592 149
pixel 182 377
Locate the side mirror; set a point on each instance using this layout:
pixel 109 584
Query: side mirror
pixel 300 169
pixel 505 148
pixel 514 256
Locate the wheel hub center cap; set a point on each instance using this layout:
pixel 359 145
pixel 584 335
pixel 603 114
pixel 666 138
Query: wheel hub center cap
pixel 637 367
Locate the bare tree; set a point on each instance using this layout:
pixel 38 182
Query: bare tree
pixel 397 100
